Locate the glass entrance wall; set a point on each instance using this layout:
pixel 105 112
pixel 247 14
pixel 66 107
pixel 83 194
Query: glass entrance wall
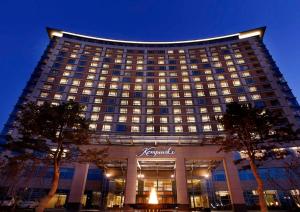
pixel 113 189
pixel 202 190
pixel 158 175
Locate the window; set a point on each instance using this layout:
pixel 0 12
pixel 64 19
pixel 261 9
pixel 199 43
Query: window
pixel 58 96
pixel 236 82
pixel 252 89
pixel 94 117
pixel 188 102
pixel 149 129
pixel 226 91
pixel 177 119
pixel 123 110
pixel 87 91
pixel 203 110
pixel 135 119
pixel 207 128
pixel 122 118
pixel 108 118
pixel 136 111
pixel 177 111
pixel 191 119
pixel 135 128
pixel 96 109
pixel 178 129
pixel 242 98
pixel 192 128
pixel 63 81
pixel 205 118
pixel 228 99
pixel 255 96
pixel 44 94
pixel 217 109
pixel 220 127
pixel 163 120
pixel 137 102
pixel 163 129
pixel 93 126
pixel 106 127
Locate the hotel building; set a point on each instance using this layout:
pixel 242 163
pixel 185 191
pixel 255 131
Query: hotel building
pixel 154 104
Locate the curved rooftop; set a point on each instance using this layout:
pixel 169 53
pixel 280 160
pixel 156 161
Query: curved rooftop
pixel 52 32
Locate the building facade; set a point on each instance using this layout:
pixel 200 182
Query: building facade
pixel 154 106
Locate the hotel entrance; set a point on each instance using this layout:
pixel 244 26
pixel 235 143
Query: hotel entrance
pixel 156 182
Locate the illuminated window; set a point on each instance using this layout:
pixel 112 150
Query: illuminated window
pixel 211 85
pixel 209 78
pixel 88 84
pixel 207 71
pixel 150 103
pixel 113 86
pixel 150 119
pixel 246 74
pixel 163 129
pixel 203 110
pixel 226 91
pixel 205 118
pixel 87 91
pixel 191 119
pixel 122 118
pixel 240 61
pixel 50 79
pixel 163 103
pixel 188 102
pixel 98 100
pixel 66 73
pixel 106 127
pixel 94 117
pixel 192 128
pixel 186 87
pixel 252 89
pixel 178 129
pixel 234 76
pixel 224 84
pixel 108 118
pixel 175 95
pixel 115 79
pixel 163 120
pixel 229 63
pixel 125 94
pixel 123 110
pixel 183 67
pixel 227 57
pixel 118 61
pixel 200 93
pixel 149 129
pixel 135 119
pixel 92 126
pixel 136 111
pixel 255 96
pixel 63 81
pixel 217 109
pixel 124 102
pixel 96 109
pixel 150 95
pixel 176 102
pixel 177 111
pixel 162 88
pixel 236 82
pixel 174 87
pixel 137 102
pixel 69 67
pixel 213 93
pixel 231 69
pixel 71 98
pixel 220 127
pixel 58 96
pixel 194 66
pixel 163 95
pixel 150 111
pixel 112 93
pixel 207 128
pixel 228 99
pixel 242 98
pixel 73 90
pixel 187 94
pixel 99 92
pixel 126 87
pixel 177 119
pixel 44 94
pixel 162 80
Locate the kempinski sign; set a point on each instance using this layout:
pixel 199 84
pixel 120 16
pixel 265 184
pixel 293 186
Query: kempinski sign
pixel 154 151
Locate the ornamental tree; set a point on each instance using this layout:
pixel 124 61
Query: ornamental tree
pixel 257 133
pixel 50 135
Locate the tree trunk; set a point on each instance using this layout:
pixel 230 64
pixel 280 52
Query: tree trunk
pixel 45 200
pixel 260 187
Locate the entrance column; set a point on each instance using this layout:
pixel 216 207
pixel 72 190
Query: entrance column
pixel 234 184
pixel 77 186
pixel 181 183
pixel 131 176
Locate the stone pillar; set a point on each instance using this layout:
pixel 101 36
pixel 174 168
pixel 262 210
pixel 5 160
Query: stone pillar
pixel 131 176
pixel 181 183
pixel 77 187
pixel 234 184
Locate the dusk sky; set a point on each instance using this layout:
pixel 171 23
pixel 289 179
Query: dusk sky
pixel 24 38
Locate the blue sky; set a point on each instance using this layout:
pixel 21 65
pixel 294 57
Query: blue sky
pixel 23 35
